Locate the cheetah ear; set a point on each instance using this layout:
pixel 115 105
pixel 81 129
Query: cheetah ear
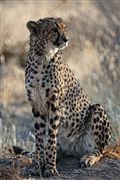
pixel 32 26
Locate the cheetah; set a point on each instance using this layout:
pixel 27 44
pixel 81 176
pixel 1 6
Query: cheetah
pixel 64 118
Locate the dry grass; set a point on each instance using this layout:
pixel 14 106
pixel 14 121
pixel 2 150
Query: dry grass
pixel 113 151
pixel 13 167
pixel 10 91
pixel 10 168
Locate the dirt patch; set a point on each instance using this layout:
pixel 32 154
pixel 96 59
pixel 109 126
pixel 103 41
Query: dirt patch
pixel 68 168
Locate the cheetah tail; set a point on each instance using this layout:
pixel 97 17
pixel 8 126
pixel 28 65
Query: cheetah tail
pixel 18 151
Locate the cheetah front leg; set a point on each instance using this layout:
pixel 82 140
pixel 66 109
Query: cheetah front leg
pixel 39 128
pixel 50 150
pixel 101 132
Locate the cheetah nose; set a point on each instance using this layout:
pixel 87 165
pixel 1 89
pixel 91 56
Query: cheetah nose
pixel 65 40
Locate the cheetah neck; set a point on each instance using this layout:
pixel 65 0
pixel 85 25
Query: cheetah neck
pixel 36 66
pixel 41 58
pixel 51 54
pixel 41 51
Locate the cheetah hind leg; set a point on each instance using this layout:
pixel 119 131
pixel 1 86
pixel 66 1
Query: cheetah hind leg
pixel 101 131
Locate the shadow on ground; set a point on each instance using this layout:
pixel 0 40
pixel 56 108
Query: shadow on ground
pixel 68 168
pixel 107 169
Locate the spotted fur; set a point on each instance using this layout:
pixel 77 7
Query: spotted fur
pixel 64 117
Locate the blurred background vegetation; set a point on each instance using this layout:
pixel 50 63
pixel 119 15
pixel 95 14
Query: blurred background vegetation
pixel 93 54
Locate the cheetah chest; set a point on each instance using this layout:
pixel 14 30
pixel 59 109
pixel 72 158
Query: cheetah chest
pixel 37 93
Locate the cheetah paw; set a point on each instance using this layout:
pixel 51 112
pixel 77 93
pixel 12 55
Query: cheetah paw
pixel 88 160
pixel 33 172
pixel 50 172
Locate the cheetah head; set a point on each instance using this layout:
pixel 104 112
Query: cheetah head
pixel 48 33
